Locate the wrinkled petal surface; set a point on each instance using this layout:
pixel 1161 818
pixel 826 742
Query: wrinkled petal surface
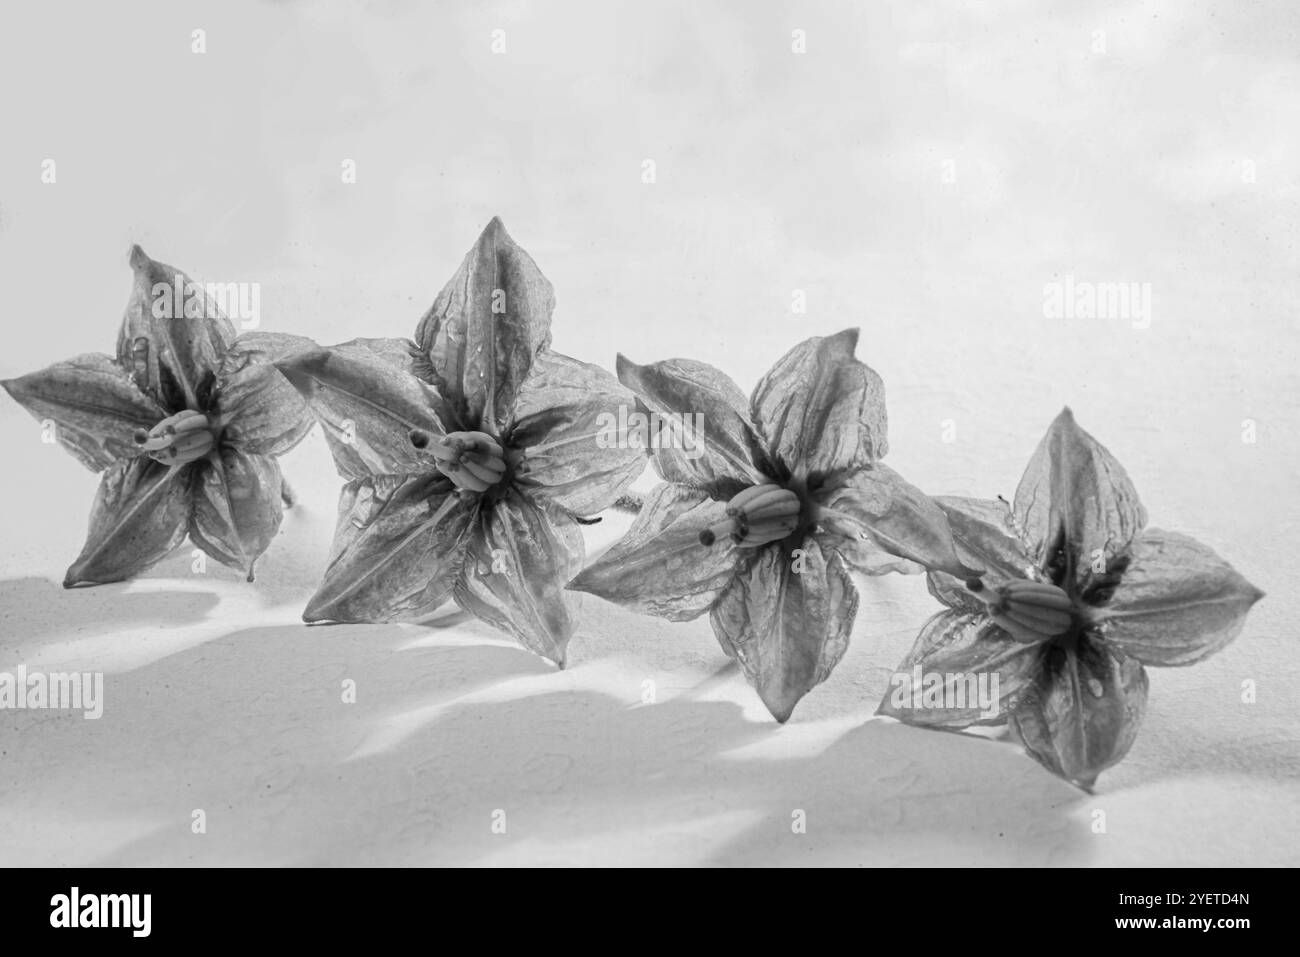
pixel 787 619
pixel 398 548
pixel 139 515
pixel 1076 498
pixel 236 508
pixel 485 328
pixel 1083 711
pixel 565 422
pixel 262 412
pixel 986 540
pixel 659 567
pixel 1177 603
pixel 710 441
pixel 94 405
pixel 820 410
pixel 515 569
pixel 971 656
pixel 367 408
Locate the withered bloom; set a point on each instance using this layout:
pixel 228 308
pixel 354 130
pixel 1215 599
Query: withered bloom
pixel 185 424
pixel 468 456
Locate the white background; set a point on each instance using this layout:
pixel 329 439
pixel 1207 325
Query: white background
pixel 1111 142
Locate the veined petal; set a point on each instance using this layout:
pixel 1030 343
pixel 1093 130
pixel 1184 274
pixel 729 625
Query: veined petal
pixel 367 409
pixel 1076 499
pixel 959 658
pixel 398 547
pixel 139 516
pixel 173 335
pixel 1082 713
pixel 236 508
pixel 787 620
pixel 94 405
pixel 1177 602
pixel 519 557
pixel 879 506
pixel 485 328
pixel 820 410
pixel 659 567
pixel 700 433
pixel 262 412
pixel 565 423
pixel 986 540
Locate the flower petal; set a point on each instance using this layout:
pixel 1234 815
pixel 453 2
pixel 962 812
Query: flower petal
pixel 169 353
pixel 702 436
pixel 1076 498
pixel 565 422
pixel 397 552
pixel 236 508
pixel 485 328
pixel 139 516
pixel 986 540
pixel 263 413
pixel 519 557
pixel 1083 711
pixel 970 655
pixel 820 410
pixel 879 506
pixel 1177 602
pixel 787 620
pixel 94 405
pixel 367 408
pixel 659 567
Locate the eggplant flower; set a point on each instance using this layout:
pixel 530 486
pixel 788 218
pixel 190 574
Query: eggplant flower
pixel 469 457
pixel 185 424
pixel 1077 597
pixel 767 505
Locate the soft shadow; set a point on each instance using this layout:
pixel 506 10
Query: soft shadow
pixel 36 608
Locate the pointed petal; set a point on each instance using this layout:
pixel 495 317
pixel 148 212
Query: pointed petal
pixel 1076 498
pixel 879 506
pixel 94 405
pixel 397 550
pixel 1177 602
pixel 262 411
pixel 970 655
pixel 486 327
pixel 565 422
pixel 787 620
pixel 709 441
pixel 169 353
pixel 1083 712
pixel 518 560
pixel 366 407
pixel 659 567
pixel 986 540
pixel 236 508
pixel 139 516
pixel 820 410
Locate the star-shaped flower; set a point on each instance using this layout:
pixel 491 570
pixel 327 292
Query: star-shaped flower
pixel 1076 598
pixel 765 511
pixel 468 456
pixel 185 423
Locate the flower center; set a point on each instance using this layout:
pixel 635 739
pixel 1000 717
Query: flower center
pixel 472 460
pixel 758 515
pixel 177 439
pixel 1029 611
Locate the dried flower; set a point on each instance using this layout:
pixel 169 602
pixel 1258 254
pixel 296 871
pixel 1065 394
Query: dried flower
pixel 762 527
pixel 185 424
pixel 1076 598
pixel 469 455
